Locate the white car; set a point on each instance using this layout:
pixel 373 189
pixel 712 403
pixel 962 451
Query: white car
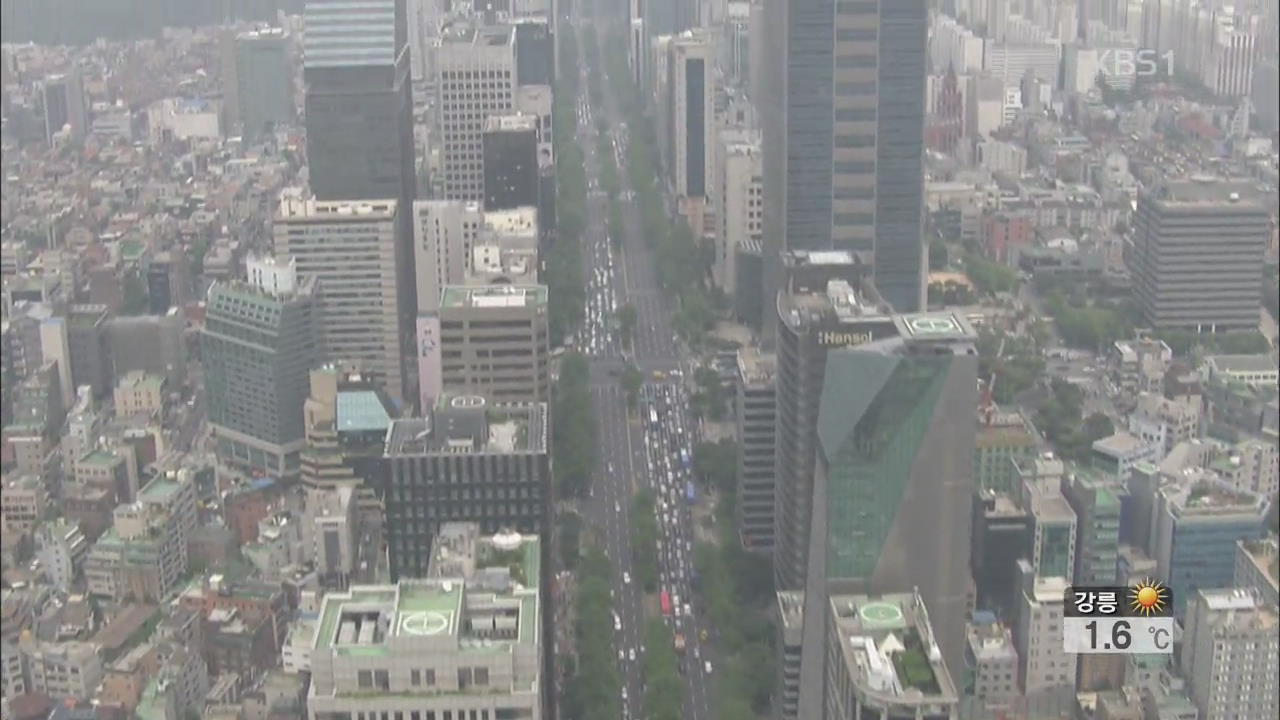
pixel 705 666
pixel 631 655
pixel 621 656
pixel 626 578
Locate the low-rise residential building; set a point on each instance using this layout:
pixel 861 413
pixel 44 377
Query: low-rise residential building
pixel 1260 369
pixel 1119 452
pixel 23 501
pixel 992 663
pixel 70 669
pixel 62 548
pixel 1163 422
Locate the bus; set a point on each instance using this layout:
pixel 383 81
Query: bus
pixel 665 600
pixel 690 493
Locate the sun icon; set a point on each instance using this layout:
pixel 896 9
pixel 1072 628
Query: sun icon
pixel 1148 597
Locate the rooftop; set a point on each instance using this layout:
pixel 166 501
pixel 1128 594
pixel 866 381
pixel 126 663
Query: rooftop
pixel 1201 492
pixel 374 619
pixel 1242 363
pixel 1119 443
pixel 160 489
pixel 493 296
pixel 295 206
pixel 101 459
pixel 453 429
pixel 756 367
pixel 362 411
pixel 888 645
pixel 1208 191
pixel 521 221
pixel 513 122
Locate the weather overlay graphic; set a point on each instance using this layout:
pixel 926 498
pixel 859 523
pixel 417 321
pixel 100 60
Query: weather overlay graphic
pixel 1133 619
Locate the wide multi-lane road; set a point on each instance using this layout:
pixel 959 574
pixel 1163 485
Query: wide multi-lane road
pixel 635 452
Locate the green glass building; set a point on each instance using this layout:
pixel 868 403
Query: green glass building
pixel 893 480
pixel 258 347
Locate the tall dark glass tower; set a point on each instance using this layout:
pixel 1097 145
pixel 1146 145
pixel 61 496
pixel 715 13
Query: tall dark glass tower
pixel 843 120
pixel 358 104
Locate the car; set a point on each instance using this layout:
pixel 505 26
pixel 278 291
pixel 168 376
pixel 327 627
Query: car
pixel 631 655
pixel 617 507
pixel 697 654
pixel 621 655
pixel 617 623
pixel 688 610
pixel 626 578
pixel 706 666
pixel 624 693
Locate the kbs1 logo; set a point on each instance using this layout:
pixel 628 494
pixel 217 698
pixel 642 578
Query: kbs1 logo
pixel 1145 62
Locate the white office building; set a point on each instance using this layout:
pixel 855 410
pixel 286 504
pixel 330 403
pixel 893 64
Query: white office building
pixel 353 248
pixel 739 218
pixel 1231 655
pixel 476 78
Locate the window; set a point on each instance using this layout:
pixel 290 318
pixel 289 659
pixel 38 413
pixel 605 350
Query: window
pixel 856 7
pixel 855 61
pixel 855 114
pixel 430 676
pixel 364 679
pixel 415 677
pixel 856 34
pixel 482 676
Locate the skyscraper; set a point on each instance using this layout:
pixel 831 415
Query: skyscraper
pixel 690 103
pixel 894 449
pixel 64 105
pixel 510 158
pixel 476 68
pixel 358 103
pixel 1229 654
pixel 356 251
pixel 818 310
pixel 842 112
pixel 1196 254
pixel 264 80
pixel 494 456
pixel 258 344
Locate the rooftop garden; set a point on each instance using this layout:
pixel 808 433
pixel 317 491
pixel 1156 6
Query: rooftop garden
pixel 912 665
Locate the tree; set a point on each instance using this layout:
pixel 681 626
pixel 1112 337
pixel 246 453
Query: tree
pixel 570 539
pixel 716 464
pixel 631 380
pixel 938 255
pixel 627 317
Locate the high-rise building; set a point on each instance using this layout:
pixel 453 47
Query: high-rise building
pixel 510 159
pixel 444 231
pixel 992 663
pixel 842 110
pixel 356 251
pixel 1096 502
pixel 264 80
pixel 259 342
pixel 504 483
pixel 493 342
pixel 359 108
pixel 168 281
pixel 690 108
pixel 1196 254
pixel 346 418
pixel 1230 654
pixel 64 105
pixel 1054 525
pixel 1045 665
pixel 535 52
pixel 1258 568
pixel 818 310
pixel 477 78
pixel 1002 437
pixel 1198 519
pixel 740 212
pixel 885 660
pixel 894 448
pixel 1001 536
pixel 756 415
pixel 89 353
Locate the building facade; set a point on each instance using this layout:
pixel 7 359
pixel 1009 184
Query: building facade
pixel 358 255
pixel 476 68
pixel 494 342
pixel 260 340
pixel 468 461
pixel 1181 280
